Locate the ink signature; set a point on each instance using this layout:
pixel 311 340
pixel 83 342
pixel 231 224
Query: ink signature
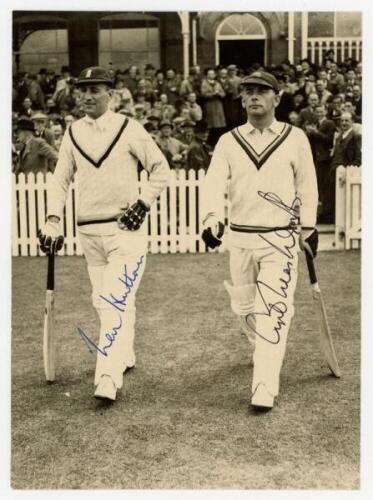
pixel 119 303
pixel 277 310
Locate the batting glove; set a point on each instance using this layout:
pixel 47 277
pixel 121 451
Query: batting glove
pixel 134 216
pixel 309 240
pixel 213 233
pixel 50 237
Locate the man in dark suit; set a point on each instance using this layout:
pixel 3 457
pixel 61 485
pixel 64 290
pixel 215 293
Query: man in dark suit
pixel 346 151
pixel 321 135
pixel 36 155
pixel 307 115
pixel 286 102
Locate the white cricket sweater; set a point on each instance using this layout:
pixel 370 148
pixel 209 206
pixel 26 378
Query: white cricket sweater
pixel 277 161
pixel 105 161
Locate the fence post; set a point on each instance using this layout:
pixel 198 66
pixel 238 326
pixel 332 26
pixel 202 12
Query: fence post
pixel 15 230
pixel 182 212
pixel 340 208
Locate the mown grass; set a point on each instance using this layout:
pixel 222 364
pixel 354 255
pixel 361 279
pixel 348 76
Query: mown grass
pixel 183 419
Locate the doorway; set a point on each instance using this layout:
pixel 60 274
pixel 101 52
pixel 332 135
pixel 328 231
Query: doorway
pixel 243 53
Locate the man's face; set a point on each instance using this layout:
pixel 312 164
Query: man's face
pixel 170 74
pixel 258 100
pixel 132 71
pixel 356 91
pixel 313 100
pixel 22 136
pixel 166 131
pixel 323 75
pixel 223 73
pixel 192 98
pixel 320 85
pixel 95 99
pixel 27 103
pixel 39 125
pixel 320 112
pixel 210 74
pixel 293 117
pixel 298 99
pixel 345 122
pixel 348 106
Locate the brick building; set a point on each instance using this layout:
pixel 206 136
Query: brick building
pixel 179 39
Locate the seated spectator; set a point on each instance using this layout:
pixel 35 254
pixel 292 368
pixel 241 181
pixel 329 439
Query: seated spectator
pixel 187 131
pixel 41 129
pixel 173 149
pixel 35 154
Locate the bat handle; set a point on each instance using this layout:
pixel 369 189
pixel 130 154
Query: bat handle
pixel 311 268
pixel 50 275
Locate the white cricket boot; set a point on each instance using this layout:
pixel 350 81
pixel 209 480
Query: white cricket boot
pixel 106 388
pixel 262 398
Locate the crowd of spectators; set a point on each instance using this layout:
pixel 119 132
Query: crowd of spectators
pixel 187 116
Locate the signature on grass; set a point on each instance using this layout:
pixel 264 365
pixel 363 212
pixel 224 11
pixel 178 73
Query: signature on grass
pixel 119 304
pixel 277 310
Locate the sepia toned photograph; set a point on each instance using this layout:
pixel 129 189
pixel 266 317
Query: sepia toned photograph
pixel 186 248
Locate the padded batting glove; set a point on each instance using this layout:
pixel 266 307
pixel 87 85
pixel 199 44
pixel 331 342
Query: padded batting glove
pixel 213 233
pixel 50 237
pixel 132 217
pixel 309 240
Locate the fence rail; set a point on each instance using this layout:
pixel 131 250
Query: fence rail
pixel 343 48
pixel 348 208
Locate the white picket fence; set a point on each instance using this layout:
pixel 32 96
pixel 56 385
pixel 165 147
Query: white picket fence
pixel 174 223
pixel 343 48
pixel 348 208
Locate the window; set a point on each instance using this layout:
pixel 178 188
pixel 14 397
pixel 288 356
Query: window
pixel 241 25
pixel 334 24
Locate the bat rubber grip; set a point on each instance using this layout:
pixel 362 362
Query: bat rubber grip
pixel 311 268
pixel 50 275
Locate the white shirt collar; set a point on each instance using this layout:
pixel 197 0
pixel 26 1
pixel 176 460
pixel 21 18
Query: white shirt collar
pixel 275 127
pixel 102 122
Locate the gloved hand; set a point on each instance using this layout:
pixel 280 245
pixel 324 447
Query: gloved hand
pixel 213 232
pixel 51 237
pixel 309 240
pixel 132 218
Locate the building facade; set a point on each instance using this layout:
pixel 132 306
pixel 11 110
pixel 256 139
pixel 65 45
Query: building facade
pixel 179 39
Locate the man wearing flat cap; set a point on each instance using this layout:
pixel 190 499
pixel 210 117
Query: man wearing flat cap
pixel 103 150
pixel 35 154
pixel 41 130
pixel 271 175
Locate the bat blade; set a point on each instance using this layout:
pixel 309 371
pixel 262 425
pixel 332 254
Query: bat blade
pixel 48 338
pixel 48 334
pixel 326 341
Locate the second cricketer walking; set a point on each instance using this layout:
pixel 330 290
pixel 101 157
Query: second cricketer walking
pixel 269 171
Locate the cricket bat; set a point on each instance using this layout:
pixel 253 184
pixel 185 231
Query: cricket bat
pixel 326 340
pixel 48 337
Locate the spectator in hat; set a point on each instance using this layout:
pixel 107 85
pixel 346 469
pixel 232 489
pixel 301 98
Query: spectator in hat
pixel 233 110
pixel 173 149
pixel 286 103
pixel 41 129
pixel 159 83
pixel 36 155
pixel 199 151
pixel 187 131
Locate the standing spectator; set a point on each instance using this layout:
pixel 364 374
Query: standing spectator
pixel 159 84
pixel 57 135
pixel 307 115
pixel 213 94
pixel 26 108
pixel 336 78
pixel 168 110
pixel 322 92
pixel 140 114
pixel 36 155
pixel 186 86
pixel 294 118
pixel 286 103
pixel 321 137
pixel 41 130
pixel 234 112
pixel 35 93
pixel 346 151
pixel 298 102
pixel 172 87
pixel 335 109
pixel 195 110
pixel 131 78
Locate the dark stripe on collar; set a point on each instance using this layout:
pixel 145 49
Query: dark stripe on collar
pixel 258 155
pixel 98 163
pixel 259 160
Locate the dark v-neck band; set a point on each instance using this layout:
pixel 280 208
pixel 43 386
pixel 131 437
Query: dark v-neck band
pixel 98 163
pixel 260 159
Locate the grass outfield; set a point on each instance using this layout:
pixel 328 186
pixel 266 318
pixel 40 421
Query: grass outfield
pixel 183 420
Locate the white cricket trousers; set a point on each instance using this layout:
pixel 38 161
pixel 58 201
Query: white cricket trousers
pixel 116 262
pixel 272 278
